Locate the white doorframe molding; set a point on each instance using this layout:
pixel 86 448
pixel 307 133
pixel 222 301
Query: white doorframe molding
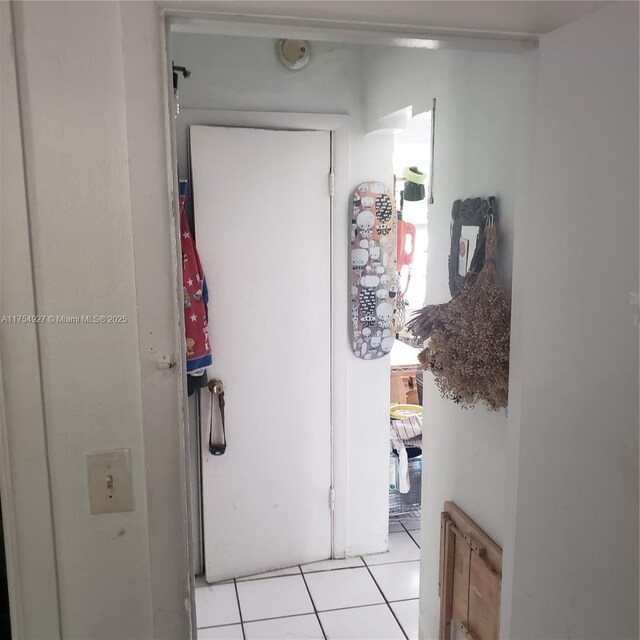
pixel 24 468
pixel 274 26
pixel 156 237
pixel 338 125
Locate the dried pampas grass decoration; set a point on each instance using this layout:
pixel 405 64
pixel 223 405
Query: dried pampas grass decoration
pixel 468 337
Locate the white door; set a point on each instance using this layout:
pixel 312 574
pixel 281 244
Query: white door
pixel 262 223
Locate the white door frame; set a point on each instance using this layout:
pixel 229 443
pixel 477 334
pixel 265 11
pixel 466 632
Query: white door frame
pixel 177 19
pixel 25 485
pixel 259 25
pixel 338 126
pixel 174 18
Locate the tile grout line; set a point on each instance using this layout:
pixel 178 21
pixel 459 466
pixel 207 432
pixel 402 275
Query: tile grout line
pixel 301 615
pixel 393 613
pixel 306 573
pixel 313 604
pixel 284 575
pixel 386 564
pixel 409 534
pixel 288 575
pixel 293 615
pixel 235 586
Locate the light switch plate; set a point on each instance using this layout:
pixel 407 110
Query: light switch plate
pixel 109 476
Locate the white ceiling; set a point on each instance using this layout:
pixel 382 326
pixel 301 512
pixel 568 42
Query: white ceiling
pixel 499 17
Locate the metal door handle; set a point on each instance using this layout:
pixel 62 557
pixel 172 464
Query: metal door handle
pixel 216 387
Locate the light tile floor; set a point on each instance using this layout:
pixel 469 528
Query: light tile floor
pixel 373 597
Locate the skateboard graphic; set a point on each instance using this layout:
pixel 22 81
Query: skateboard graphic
pixel 374 276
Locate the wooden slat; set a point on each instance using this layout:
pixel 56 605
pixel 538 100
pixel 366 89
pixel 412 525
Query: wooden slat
pixel 443 521
pixel 484 599
pixel 446 599
pixel 462 567
pixel 468 527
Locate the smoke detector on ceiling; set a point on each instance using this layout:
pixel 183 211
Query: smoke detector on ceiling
pixel 294 54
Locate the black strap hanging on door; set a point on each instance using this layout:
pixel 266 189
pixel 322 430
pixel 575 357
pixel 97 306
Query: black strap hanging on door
pixel 217 389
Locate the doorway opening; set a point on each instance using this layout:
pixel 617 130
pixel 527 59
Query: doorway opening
pixel 271 158
pixel 411 162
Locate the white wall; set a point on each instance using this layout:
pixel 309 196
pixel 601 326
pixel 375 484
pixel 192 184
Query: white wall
pixel 481 141
pixel 238 73
pixel 481 123
pixel 571 562
pixel 100 223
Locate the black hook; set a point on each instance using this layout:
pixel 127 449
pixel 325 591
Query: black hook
pixel 176 70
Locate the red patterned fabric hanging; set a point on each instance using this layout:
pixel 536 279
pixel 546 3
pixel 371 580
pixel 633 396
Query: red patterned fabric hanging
pixel 195 296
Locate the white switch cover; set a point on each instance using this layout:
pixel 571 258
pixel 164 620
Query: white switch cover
pixel 109 474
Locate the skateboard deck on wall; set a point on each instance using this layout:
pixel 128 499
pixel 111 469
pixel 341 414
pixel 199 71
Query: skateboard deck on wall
pixel 374 277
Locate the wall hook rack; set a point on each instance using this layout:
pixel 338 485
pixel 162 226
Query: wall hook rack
pixel 185 74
